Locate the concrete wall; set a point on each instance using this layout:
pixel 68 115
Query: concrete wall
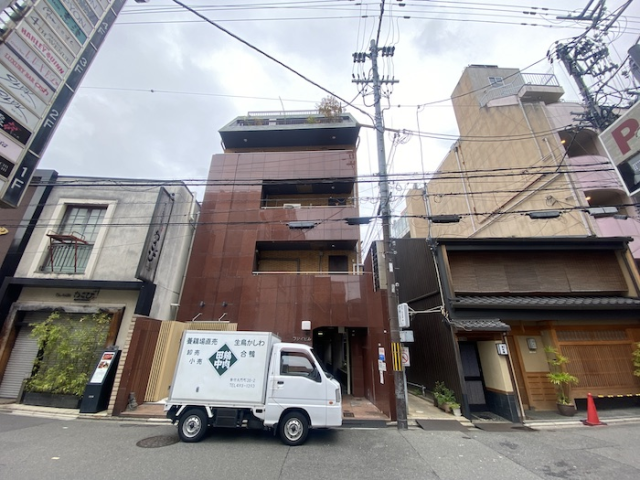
pixel 122 240
pixel 495 368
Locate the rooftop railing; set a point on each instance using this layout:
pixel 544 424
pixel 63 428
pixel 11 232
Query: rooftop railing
pixel 534 79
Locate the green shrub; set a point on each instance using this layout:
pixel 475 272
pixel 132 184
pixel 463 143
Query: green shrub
pixel 68 351
pixel 636 360
pixel 559 377
pixel 443 394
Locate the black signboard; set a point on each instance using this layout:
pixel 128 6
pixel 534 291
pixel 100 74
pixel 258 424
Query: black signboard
pixel 98 390
pixel 13 128
pixel 6 167
pixel 51 121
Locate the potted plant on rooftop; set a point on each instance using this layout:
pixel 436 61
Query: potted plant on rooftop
pixel 562 381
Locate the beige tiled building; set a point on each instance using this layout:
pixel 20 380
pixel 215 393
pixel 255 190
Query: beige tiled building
pixel 521 150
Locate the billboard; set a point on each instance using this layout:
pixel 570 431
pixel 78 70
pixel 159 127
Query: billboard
pixel 622 142
pixel 45 50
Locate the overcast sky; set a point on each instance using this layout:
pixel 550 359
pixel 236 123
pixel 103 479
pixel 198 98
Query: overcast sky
pixel 165 81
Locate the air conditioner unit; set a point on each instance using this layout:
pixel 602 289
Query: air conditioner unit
pixel 292 205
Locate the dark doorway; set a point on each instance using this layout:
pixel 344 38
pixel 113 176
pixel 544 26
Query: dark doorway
pixel 338 264
pixel 472 376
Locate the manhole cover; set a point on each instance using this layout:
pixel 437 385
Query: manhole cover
pixel 158 441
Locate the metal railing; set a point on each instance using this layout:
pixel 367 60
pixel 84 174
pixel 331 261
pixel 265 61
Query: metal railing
pixel 542 79
pixel 354 272
pixel 535 79
pixel 68 253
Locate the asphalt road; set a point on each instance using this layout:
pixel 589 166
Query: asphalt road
pixel 42 448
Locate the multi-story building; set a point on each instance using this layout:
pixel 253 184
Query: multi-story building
pixel 275 249
pixel 95 245
pixel 524 166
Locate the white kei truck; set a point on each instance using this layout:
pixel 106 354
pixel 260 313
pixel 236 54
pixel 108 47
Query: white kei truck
pixel 250 379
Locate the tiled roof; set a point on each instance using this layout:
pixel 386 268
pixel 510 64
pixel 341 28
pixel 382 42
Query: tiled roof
pixel 493 325
pixel 546 302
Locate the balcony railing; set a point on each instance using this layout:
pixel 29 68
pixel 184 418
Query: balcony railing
pixel 541 79
pixel 519 81
pixel 67 254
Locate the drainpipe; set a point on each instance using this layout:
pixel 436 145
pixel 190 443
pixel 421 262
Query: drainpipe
pixel 464 187
pixel 192 206
pixel 513 379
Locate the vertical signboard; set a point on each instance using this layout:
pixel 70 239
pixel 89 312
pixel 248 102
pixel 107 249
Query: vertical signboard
pixel 622 142
pixel 43 58
pixel 155 237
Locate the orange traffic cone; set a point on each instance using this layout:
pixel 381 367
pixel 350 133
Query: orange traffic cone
pixel 592 414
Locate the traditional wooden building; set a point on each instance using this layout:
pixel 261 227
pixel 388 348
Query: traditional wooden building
pixel 497 303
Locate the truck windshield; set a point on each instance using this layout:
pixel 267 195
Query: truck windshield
pixel 321 363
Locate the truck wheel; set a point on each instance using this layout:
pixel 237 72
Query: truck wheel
pixel 192 425
pixel 294 429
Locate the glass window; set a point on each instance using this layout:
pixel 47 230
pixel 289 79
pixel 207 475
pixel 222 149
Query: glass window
pixel 83 222
pixel 297 364
pixel 71 245
pixel 496 81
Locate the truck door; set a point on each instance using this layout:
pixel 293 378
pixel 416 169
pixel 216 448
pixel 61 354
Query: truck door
pixel 297 382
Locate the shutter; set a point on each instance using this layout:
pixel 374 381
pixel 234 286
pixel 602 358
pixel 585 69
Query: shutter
pixel 20 364
pixel 22 357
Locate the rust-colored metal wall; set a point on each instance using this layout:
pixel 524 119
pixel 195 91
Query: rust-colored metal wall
pixel 222 280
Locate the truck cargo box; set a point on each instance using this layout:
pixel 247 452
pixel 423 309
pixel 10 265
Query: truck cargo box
pixel 222 368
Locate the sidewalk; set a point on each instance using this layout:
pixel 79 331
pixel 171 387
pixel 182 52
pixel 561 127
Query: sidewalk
pixel 357 412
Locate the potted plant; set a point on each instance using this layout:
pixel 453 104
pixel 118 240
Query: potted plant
pixel 443 396
pixel 438 393
pixel 562 380
pixel 455 409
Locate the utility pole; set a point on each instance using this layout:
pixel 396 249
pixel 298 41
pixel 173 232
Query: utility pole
pixel 385 213
pixel 588 56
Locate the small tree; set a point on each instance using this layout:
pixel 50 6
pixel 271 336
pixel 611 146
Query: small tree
pixel 330 107
pixel 68 351
pixel 559 377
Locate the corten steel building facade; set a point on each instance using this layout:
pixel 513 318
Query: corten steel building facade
pixel 274 252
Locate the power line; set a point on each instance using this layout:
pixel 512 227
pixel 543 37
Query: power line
pixel 253 47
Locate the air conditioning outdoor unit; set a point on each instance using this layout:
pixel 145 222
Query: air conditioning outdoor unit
pixel 292 205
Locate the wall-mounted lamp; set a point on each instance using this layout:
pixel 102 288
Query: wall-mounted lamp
pixel 306 325
pixel 201 304
pixel 224 304
pixel 532 344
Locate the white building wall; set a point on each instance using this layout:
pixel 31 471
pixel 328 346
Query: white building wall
pixel 122 240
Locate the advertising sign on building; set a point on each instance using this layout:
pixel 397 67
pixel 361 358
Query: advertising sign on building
pixel 622 142
pixel 45 52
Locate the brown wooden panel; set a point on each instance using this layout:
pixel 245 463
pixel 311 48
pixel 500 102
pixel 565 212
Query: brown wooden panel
pixel 517 370
pixel 542 394
pixel 135 373
pixel 536 272
pixel 602 366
